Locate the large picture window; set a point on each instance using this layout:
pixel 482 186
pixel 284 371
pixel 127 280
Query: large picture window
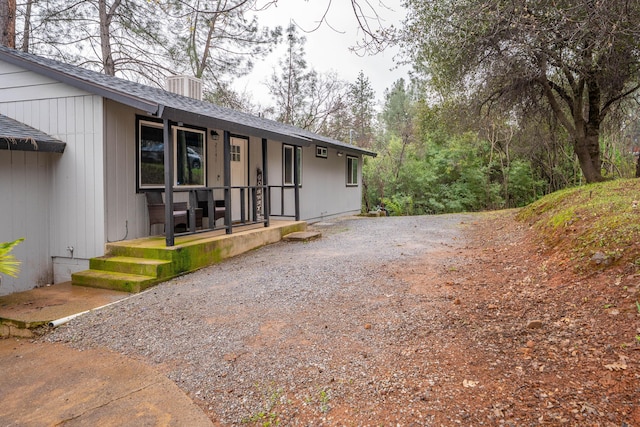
pixel 352 170
pixel 287 160
pixel 189 151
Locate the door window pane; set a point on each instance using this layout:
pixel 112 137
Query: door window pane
pixel 235 153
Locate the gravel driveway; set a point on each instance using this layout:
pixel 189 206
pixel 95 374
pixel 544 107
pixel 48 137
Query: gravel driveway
pixel 292 333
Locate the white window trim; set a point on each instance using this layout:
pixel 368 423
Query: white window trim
pixel 355 160
pixel 293 159
pixel 203 160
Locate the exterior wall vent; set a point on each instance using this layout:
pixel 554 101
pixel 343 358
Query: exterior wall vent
pixel 186 86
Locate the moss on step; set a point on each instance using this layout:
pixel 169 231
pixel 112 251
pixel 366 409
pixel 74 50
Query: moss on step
pixel 142 266
pixel 112 280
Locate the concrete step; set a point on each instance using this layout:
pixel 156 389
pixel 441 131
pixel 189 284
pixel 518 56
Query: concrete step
pixel 302 236
pixel 113 280
pixel 151 248
pixel 130 265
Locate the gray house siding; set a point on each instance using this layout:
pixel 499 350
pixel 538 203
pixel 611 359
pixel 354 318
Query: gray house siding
pixel 25 179
pixel 124 209
pixel 324 193
pixel 72 192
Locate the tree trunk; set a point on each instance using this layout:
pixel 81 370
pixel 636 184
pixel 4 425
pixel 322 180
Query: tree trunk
pixel 108 65
pixel 404 146
pixel 8 23
pixel 587 137
pixel 26 34
pixel 638 167
pixel 587 150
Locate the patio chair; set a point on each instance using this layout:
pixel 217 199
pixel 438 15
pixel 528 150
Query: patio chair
pixel 155 206
pixel 202 198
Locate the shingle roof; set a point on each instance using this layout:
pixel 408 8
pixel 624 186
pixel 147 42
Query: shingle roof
pixel 18 136
pixel 166 104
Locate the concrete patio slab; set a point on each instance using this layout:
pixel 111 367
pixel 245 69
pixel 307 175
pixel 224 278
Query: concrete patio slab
pixel 51 384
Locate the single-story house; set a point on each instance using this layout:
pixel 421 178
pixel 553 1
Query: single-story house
pixel 80 152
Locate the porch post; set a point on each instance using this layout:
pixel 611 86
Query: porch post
pixel 168 183
pixel 227 180
pixel 265 183
pixel 296 179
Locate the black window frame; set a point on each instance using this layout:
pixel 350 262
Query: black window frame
pixel 322 152
pixel 175 127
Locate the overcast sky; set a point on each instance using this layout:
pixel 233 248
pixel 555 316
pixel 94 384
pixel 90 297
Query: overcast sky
pixel 326 48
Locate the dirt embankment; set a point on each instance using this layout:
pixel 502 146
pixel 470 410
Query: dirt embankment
pixel 525 339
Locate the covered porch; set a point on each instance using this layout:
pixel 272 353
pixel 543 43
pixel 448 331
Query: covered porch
pixel 246 196
pixel 134 265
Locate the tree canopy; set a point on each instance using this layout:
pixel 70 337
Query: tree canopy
pixel 580 58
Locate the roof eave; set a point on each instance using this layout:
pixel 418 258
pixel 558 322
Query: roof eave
pixel 78 83
pixel 26 144
pixel 344 146
pixel 178 115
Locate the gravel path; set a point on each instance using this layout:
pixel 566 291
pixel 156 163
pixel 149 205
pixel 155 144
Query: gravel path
pixel 298 333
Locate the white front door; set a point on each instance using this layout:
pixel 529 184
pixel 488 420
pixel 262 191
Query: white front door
pixel 239 177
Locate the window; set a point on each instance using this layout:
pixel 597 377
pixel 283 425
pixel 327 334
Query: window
pixel 188 150
pixel 321 152
pixel 151 155
pixel 287 166
pixel 352 170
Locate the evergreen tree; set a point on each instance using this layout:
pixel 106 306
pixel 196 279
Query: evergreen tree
pixel 304 97
pixel 289 88
pixel 362 102
pixel 398 118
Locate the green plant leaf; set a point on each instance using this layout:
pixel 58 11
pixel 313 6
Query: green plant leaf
pixel 9 265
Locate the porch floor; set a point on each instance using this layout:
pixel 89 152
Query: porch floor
pixel 21 312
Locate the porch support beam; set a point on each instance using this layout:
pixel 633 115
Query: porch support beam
pixel 265 183
pixel 227 180
pixel 168 183
pixel 296 179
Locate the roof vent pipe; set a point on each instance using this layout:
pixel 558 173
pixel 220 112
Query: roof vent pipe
pixel 186 86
